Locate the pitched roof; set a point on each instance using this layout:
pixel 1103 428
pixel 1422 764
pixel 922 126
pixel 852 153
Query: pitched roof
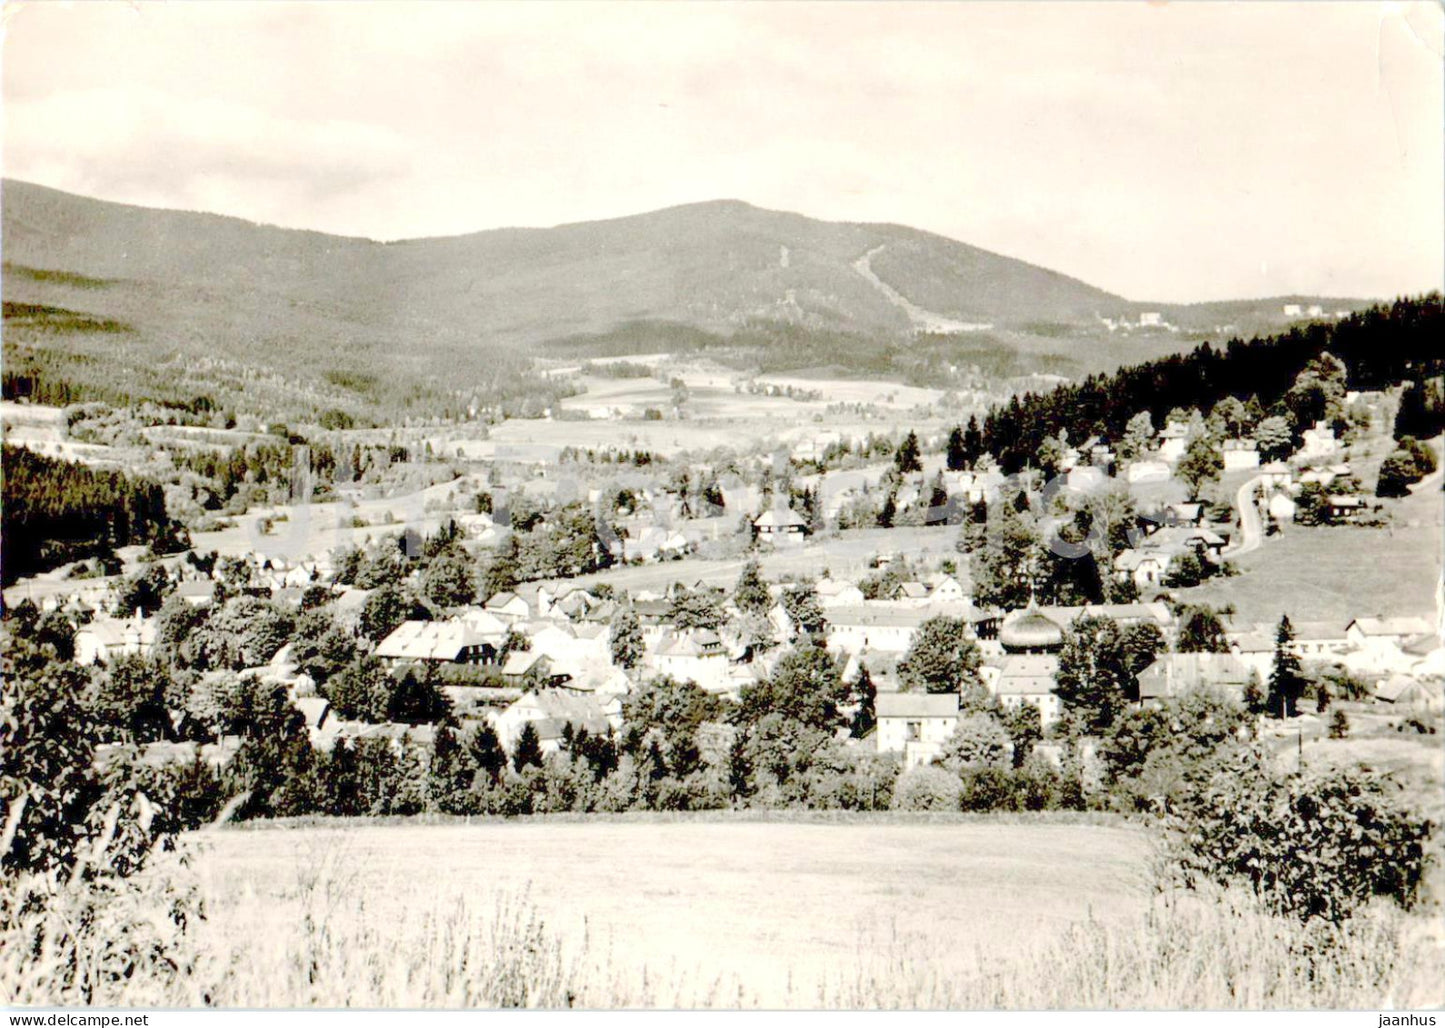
pixel 523 661
pixel 1319 631
pixel 775 517
pixel 1174 674
pixel 1396 626
pixel 1027 675
pixel 562 705
pixel 862 616
pixel 430 640
pixel 916 704
pixel 1392 689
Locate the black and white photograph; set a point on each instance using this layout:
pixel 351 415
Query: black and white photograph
pixel 798 506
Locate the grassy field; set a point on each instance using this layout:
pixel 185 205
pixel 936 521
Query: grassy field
pixel 764 914
pixel 844 555
pixel 1338 573
pixel 961 912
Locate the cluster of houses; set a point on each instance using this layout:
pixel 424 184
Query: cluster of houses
pixel 1177 530
pixel 542 653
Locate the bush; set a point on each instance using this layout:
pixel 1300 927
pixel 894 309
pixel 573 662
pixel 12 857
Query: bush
pixel 927 788
pixel 1313 845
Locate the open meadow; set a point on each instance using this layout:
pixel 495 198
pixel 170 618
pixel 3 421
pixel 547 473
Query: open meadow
pixel 704 906
pixel 1336 573
pixel 727 911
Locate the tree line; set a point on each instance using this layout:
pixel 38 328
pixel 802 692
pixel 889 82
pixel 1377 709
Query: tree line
pixel 1379 348
pixel 57 512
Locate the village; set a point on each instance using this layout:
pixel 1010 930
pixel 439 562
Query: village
pixel 858 549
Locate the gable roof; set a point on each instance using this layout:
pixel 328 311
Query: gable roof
pixel 1395 626
pixel 775 517
pixel 916 704
pixel 1398 687
pixel 1174 674
pixel 1027 675
pixel 430 640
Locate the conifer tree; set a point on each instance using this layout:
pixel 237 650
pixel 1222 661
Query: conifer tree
pixel 1285 681
pixel 529 748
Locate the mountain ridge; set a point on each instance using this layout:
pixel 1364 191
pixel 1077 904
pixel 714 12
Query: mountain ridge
pixel 464 312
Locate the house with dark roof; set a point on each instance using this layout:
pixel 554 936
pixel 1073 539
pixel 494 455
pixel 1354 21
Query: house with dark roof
pixel 439 642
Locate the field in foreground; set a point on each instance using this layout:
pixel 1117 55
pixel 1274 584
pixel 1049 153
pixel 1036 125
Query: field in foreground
pixel 964 913
pixel 765 912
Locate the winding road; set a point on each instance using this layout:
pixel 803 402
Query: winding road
pixel 1251 528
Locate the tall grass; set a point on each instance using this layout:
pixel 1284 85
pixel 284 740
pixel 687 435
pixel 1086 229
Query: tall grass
pixel 173 937
pixel 1186 952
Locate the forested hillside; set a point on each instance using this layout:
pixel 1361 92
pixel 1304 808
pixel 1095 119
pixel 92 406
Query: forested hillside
pixel 1380 347
pixel 57 512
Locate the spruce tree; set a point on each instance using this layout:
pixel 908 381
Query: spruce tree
pixel 529 748
pixel 957 454
pixel 907 458
pixel 751 592
pixel 625 637
pixel 1285 680
pixel 866 694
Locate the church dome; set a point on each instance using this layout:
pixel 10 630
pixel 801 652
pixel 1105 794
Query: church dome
pixel 1030 631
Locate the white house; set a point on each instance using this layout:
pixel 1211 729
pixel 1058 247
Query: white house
pixel 1240 454
pixel 1029 678
pixel 838 593
pixel 1254 649
pixel 947 590
pixel 1276 475
pixel 1144 565
pixel 1379 643
pixel 695 655
pixel 198 592
pixel 1141 471
pixel 873 628
pixel 1173 441
pixel 1404 693
pixel 105 639
pixel 915 724
pixel 1087 478
pixel 550 710
pixel 508 605
pixel 1319 441
pixel 780 526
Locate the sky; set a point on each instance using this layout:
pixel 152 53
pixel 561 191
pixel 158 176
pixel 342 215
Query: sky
pixel 1173 152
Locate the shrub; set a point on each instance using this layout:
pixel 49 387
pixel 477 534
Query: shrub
pixel 978 741
pixel 927 788
pixel 1312 845
pixel 988 788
